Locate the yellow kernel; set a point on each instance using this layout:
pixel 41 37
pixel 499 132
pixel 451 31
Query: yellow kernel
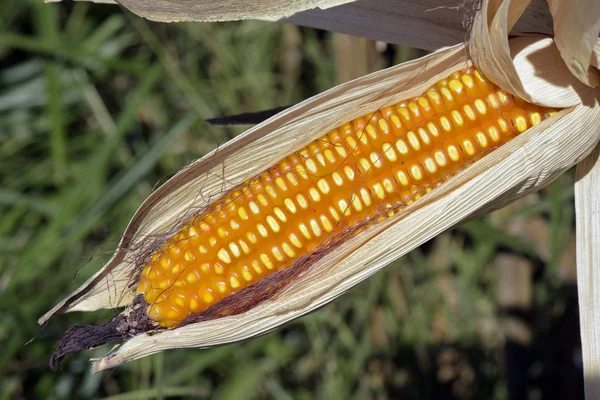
pixel 388 151
pixel 356 203
pixel 242 213
pixel 376 159
pixel 314 225
pixel 311 166
pixel 288 250
pixel 364 164
pixel 295 240
pixel 280 214
pixel 468 146
pixel 207 297
pixel 481 139
pixel 433 129
pixel 234 224
pixel 351 143
pixel 252 237
pixel 480 106
pixel 457 119
pixel 344 207
pixel 271 191
pixel 281 183
pixel 221 287
pixel 440 158
pixel 365 196
pixel 349 172
pixel 379 192
pixel 222 232
pixel 535 118
pixel 277 254
pixel 273 223
pixel 235 250
pixel 254 207
pixel 193 277
pixel 262 199
pixel 256 267
pixel 469 113
pixel 413 141
pixel 430 165
pixel 246 274
pixel 446 124
pixel 341 151
pixel 402 177
pixel 424 137
pixel 289 204
pixel 304 231
pixel 224 256
pixel 262 231
pixel 371 131
pixel 453 153
pixel 334 214
pixel 323 186
pixel 234 282
pixel 314 194
pixel 302 201
pixel 326 224
pixel 383 125
pixel 416 172
pixel 291 178
pixel 301 171
pixel 402 147
pixel 329 155
pixel 388 185
pixel 337 179
pixel 244 247
pixel 266 261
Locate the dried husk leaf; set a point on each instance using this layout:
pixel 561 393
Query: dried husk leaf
pixel 549 82
pixel 222 10
pixel 489 48
pixel 425 24
pixel 576 30
pixel 587 210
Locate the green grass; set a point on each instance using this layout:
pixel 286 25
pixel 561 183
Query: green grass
pixel 98 106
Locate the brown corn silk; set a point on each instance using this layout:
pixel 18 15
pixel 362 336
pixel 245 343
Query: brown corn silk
pixel 357 174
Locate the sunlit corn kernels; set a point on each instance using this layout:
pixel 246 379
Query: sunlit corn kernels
pixel 369 167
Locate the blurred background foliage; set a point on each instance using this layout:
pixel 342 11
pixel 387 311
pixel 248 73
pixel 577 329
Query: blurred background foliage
pixel 98 106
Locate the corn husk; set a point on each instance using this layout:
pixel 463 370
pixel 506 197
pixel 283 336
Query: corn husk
pixel 526 163
pixel 222 10
pixel 587 210
pixel 425 24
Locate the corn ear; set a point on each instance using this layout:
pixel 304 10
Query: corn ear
pixel 526 163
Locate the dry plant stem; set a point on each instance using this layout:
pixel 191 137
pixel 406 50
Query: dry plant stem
pixel 587 209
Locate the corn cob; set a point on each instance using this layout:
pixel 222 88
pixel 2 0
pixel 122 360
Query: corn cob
pixel 362 172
